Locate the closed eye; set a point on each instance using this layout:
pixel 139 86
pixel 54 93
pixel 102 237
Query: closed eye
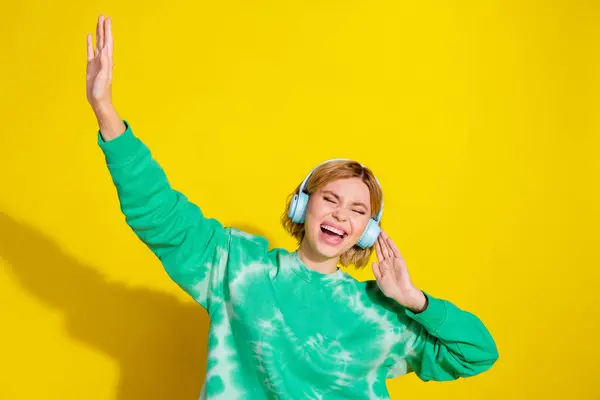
pixel 329 199
pixel 361 212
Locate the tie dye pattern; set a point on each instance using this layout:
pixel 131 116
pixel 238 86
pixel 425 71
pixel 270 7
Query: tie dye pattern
pixel 279 330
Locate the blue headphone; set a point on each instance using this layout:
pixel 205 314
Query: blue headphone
pixel 299 205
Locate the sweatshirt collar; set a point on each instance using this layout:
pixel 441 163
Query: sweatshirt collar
pixel 310 275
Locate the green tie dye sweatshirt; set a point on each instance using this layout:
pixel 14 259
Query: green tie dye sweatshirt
pixel 279 330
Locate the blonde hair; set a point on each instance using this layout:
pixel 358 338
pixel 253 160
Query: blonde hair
pixel 323 175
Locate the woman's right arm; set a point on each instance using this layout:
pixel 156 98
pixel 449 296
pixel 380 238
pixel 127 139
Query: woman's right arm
pixel 192 248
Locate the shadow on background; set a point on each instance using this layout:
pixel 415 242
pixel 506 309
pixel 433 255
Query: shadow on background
pixel 158 341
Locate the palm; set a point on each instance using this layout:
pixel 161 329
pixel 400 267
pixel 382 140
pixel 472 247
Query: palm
pixel 391 273
pixel 100 64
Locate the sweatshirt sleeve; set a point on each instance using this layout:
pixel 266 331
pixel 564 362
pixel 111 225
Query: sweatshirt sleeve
pixel 445 343
pixel 192 248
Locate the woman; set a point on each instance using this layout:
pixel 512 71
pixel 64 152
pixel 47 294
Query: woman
pixel 290 324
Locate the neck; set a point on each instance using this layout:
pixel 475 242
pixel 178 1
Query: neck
pixel 316 262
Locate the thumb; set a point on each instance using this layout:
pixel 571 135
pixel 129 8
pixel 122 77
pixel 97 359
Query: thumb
pixel 376 271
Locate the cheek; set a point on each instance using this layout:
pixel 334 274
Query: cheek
pixel 312 216
pixel 359 225
pixel 316 209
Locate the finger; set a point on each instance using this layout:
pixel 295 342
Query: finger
pixel 384 235
pixel 90 47
pixel 380 245
pixel 376 271
pixel 100 34
pixel 394 248
pixel 378 250
pixel 97 37
pixel 385 240
pixel 384 248
pixel 108 36
pixel 104 61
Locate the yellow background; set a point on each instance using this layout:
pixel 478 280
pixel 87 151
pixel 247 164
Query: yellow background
pixel 479 117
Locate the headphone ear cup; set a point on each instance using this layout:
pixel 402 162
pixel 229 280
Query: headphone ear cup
pixel 298 207
pixel 370 234
pixel 293 206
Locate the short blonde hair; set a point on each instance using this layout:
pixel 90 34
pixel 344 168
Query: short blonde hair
pixel 323 175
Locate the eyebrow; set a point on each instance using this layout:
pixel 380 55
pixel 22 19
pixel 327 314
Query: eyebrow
pixel 356 203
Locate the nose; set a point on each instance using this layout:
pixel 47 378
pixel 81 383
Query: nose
pixel 339 215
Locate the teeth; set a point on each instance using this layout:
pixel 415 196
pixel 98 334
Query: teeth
pixel 332 229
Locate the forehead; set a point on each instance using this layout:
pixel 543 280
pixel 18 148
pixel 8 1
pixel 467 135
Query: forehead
pixel 353 189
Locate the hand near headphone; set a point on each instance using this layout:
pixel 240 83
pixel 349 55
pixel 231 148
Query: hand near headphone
pixel 392 276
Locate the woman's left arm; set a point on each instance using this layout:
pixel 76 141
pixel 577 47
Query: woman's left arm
pixel 442 341
pixel 447 343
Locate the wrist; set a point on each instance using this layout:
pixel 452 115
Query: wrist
pixel 102 109
pixel 417 301
pixel 110 124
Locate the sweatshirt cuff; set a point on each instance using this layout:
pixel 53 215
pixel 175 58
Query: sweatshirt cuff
pixel 122 148
pixel 433 316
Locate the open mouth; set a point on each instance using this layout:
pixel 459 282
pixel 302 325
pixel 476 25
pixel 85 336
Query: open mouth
pixel 332 233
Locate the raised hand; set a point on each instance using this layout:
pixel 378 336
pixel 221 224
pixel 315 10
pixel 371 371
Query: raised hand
pixel 99 65
pixel 98 76
pixel 392 275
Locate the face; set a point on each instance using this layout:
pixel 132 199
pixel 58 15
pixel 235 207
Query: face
pixel 336 217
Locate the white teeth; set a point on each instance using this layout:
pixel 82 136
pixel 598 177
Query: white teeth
pixel 332 229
